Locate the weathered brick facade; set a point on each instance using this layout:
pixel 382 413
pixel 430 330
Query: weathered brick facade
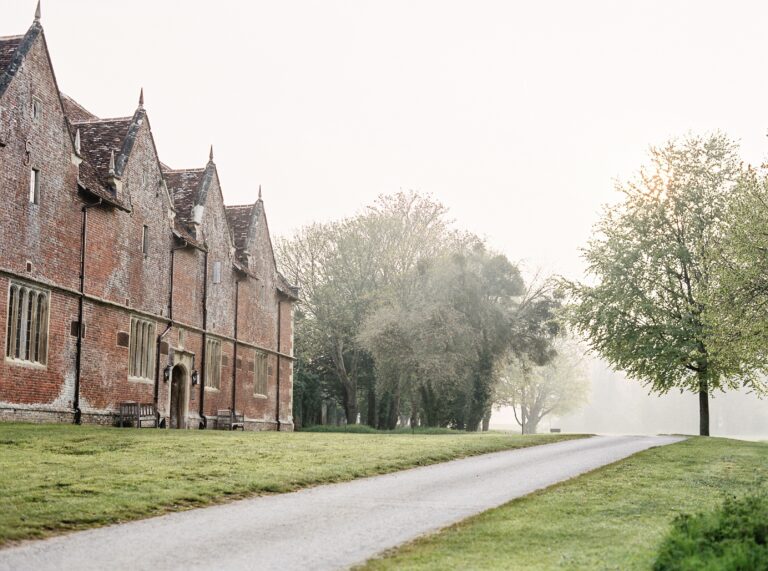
pixel 166 266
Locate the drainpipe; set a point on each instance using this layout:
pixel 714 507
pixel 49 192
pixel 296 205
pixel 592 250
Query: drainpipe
pixel 80 310
pixel 277 375
pixel 203 420
pixel 234 351
pixel 156 393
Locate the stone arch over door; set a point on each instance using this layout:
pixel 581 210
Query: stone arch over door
pixel 177 414
pixel 180 390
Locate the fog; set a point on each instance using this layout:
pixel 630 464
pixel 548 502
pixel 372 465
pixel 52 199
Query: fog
pixel 618 405
pixel 515 115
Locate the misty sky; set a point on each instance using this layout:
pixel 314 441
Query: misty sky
pixel 517 115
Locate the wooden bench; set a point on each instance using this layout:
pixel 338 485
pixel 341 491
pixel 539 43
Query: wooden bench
pixel 136 414
pixel 229 420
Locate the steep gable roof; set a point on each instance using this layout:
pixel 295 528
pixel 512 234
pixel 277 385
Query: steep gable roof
pixel 244 220
pixel 74 111
pixel 99 139
pixel 12 53
pixel 286 288
pixel 189 188
pixel 13 50
pixel 240 218
pixel 8 47
pixel 183 185
pixel 96 141
pixel 89 180
pixel 89 177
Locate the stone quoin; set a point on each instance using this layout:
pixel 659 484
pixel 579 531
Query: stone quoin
pixel 123 279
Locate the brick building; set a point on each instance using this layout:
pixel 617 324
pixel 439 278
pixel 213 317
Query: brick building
pixel 122 279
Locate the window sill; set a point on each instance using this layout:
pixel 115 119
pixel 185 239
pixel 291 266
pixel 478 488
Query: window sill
pixel 212 390
pixel 141 380
pixel 25 364
pixel 260 396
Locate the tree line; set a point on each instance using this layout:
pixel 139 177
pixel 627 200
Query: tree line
pixel 678 287
pixel 406 320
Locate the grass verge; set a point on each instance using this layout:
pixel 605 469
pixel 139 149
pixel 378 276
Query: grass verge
pixel 612 518
pixel 365 429
pixel 55 478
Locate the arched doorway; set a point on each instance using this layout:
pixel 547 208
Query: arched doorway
pixel 178 397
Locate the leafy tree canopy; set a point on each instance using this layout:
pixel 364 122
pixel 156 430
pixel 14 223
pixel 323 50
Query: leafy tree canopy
pixel 654 261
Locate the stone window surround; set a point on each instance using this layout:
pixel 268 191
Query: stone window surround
pixel 212 381
pixel 41 306
pixel 141 359
pixel 35 178
pixel 260 377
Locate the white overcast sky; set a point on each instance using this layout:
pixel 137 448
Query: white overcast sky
pixel 516 115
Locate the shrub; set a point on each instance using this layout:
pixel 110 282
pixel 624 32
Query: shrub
pixel 732 538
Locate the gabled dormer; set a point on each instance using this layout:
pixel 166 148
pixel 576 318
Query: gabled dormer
pixel 253 244
pixel 107 146
pixel 199 202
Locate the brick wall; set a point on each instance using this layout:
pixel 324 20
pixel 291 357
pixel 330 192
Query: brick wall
pixel 122 281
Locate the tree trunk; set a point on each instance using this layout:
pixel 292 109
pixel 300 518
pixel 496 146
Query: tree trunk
pixel 532 419
pixel 523 419
pixel 429 406
pixel 487 421
pixel 480 393
pixel 348 382
pixel 394 411
pixel 703 407
pixel 372 405
pixel 350 401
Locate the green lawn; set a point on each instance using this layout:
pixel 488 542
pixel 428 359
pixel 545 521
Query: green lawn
pixel 55 478
pixel 612 518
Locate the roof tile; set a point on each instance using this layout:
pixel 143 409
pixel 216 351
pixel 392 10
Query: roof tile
pixel 183 185
pixel 239 218
pixel 74 111
pixel 99 138
pixel 8 47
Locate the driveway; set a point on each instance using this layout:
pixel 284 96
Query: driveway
pixel 327 527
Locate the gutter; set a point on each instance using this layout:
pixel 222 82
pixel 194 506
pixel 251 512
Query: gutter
pixel 201 410
pixel 234 350
pixel 277 376
pixel 156 392
pixel 80 309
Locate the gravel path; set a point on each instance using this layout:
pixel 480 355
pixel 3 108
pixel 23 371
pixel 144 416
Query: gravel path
pixel 327 527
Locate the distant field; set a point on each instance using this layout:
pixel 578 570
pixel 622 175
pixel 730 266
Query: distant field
pixel 55 478
pixel 612 518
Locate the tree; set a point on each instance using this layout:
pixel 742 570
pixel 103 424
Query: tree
pixel 736 313
pixel 314 381
pixel 441 344
pixel 654 260
pixel 535 391
pixel 321 259
pixel 535 327
pixel 345 268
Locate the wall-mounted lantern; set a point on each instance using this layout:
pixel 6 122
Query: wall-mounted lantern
pixel 195 377
pixel 167 373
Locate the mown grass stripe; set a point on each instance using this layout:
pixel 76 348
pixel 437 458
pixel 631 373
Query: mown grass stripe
pixel 55 478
